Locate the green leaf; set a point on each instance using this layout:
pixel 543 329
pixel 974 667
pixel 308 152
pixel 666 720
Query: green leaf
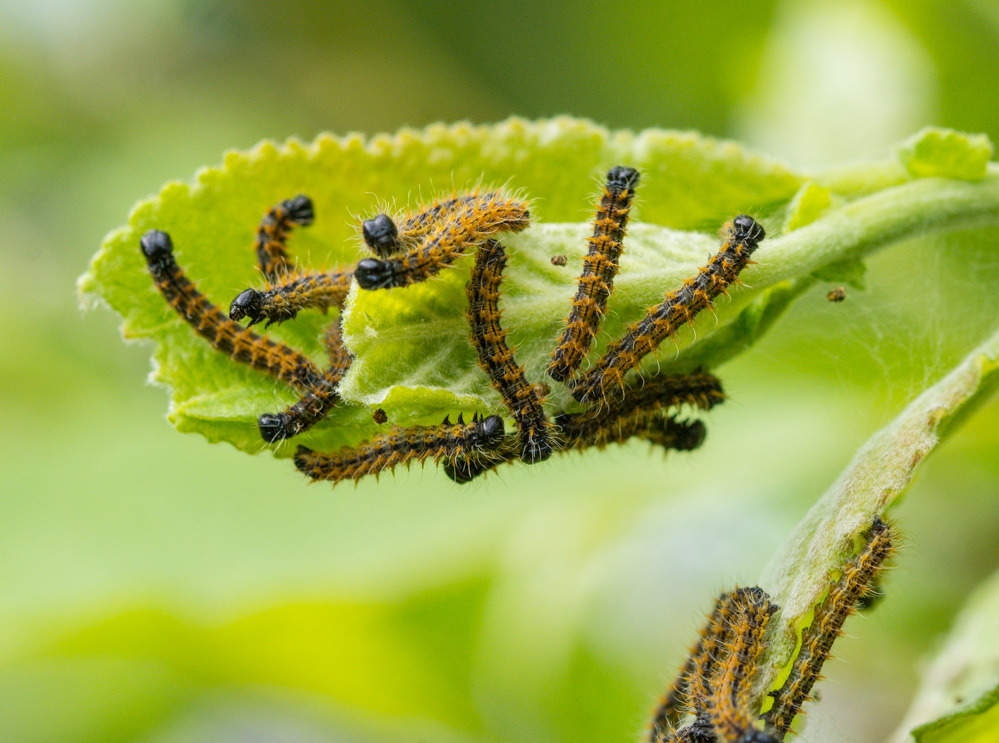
pixel 413 358
pixel 807 206
pixel 124 677
pixel 801 574
pixel 946 153
pixel 959 700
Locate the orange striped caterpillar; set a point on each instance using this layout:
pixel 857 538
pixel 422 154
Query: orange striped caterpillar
pixel 317 401
pixel 385 239
pixel 600 267
pixel 728 706
pixel 524 401
pixel 715 683
pixel 459 231
pixel 272 233
pixel 642 413
pixel 677 309
pixel 283 298
pixel 417 245
pixel 668 432
pixel 403 446
pixel 639 409
pixel 230 338
pixel 858 580
pixel 288 292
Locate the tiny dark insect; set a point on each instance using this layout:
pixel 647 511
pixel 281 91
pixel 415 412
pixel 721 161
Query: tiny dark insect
pixel 559 260
pixel 379 416
pixel 836 295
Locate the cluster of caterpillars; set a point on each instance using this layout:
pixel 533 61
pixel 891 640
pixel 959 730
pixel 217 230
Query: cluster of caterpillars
pixel 415 247
pixel 713 698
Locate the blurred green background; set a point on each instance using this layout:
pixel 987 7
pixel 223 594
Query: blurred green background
pixel 155 588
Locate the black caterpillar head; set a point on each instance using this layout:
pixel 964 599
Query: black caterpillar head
pixel 300 210
pixel 157 247
pixel 275 427
pixel 381 235
pixel 622 177
pixel 249 303
pixel 372 273
pixel 747 229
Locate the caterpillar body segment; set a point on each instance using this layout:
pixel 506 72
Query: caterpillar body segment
pixel 386 451
pixel 678 308
pixel 600 266
pixel 460 231
pixel 210 323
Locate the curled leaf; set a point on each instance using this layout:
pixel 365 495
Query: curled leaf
pixel 800 575
pixel 413 358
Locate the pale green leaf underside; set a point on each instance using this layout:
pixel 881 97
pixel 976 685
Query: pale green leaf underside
pixel 959 701
pixel 801 574
pixel 412 354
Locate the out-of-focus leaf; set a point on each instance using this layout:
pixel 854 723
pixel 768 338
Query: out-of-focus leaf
pixel 959 701
pixel 945 153
pixel 361 657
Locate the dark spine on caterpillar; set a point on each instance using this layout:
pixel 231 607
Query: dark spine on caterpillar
pixel 403 446
pixel 677 309
pixel 461 230
pixel 640 412
pixel 859 577
pixel 317 402
pixel 523 400
pixel 208 321
pixel 272 234
pixel 730 706
pixel 283 298
pixel 600 266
